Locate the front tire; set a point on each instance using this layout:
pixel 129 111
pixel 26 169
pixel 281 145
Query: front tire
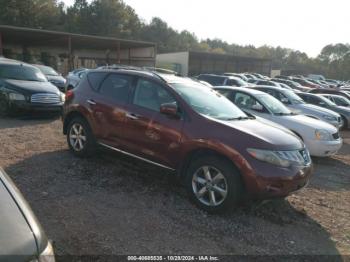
pixel 80 138
pixel 214 184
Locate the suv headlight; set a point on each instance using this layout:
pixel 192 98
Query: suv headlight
pixel 16 97
pixel 62 97
pixel 281 158
pixel 329 118
pixel 323 135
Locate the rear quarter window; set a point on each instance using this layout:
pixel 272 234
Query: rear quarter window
pixel 116 87
pixel 95 79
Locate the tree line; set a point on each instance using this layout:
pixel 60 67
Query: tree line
pixel 117 19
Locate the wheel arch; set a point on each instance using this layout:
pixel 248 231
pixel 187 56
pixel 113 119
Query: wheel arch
pixel 69 117
pixel 203 151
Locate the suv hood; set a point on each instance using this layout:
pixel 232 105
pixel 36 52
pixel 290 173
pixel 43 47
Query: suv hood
pixel 276 137
pixel 16 236
pixel 31 86
pixel 308 122
pixel 316 109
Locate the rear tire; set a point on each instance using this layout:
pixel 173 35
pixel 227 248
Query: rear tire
pixel 80 138
pixel 214 184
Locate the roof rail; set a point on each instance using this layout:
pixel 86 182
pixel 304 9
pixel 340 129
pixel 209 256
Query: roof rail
pixel 135 68
pixel 161 70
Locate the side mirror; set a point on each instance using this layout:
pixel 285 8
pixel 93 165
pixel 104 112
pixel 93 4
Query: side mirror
pixel 257 107
pixel 169 109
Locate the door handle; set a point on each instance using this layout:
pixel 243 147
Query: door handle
pixel 132 116
pixel 91 102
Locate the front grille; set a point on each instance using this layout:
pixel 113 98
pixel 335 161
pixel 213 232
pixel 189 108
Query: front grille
pixel 305 156
pixel 45 98
pixel 336 136
pixel 298 156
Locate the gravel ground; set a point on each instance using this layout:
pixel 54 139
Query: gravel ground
pixel 112 204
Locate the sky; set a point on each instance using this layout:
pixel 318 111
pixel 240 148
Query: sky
pixel 305 25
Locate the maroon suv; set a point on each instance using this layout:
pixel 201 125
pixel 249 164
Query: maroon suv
pixel 220 153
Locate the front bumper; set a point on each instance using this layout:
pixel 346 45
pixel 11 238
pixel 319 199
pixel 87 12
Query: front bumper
pixel 265 181
pixel 323 148
pixel 27 106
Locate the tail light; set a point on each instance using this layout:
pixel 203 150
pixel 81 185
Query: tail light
pixel 69 95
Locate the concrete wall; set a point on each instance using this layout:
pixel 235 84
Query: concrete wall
pixel 174 61
pixel 191 64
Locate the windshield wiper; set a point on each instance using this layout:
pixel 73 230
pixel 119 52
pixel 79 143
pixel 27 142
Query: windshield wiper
pixel 284 114
pixel 239 118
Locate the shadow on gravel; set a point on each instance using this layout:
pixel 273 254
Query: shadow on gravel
pixel 331 174
pixel 28 119
pixel 112 204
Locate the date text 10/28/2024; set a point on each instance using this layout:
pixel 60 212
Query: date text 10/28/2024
pixel 173 258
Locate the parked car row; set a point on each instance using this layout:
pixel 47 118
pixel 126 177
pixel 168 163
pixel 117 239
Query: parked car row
pixel 289 89
pixel 225 143
pixel 288 107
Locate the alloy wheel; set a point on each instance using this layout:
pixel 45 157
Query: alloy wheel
pixel 77 137
pixel 209 186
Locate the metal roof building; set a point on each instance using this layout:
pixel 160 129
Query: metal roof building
pixel 73 50
pixel 192 63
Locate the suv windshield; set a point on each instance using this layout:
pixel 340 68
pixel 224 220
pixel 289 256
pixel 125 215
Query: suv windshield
pixel 295 99
pixel 273 105
pixel 21 72
pixel 47 70
pixel 208 102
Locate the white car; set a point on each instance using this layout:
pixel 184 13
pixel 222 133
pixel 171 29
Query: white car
pixel 298 106
pixel 321 138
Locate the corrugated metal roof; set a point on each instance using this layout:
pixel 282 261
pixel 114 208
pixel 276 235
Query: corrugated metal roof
pixel 32 36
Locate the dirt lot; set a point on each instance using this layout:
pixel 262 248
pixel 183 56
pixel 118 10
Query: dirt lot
pixel 115 205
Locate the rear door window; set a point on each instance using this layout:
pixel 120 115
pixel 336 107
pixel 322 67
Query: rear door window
pixel 225 92
pixel 117 87
pixel 213 80
pixel 304 97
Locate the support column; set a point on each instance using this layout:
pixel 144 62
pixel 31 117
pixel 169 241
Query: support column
pixel 70 62
pixel 1 45
pixel 155 55
pixel 118 53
